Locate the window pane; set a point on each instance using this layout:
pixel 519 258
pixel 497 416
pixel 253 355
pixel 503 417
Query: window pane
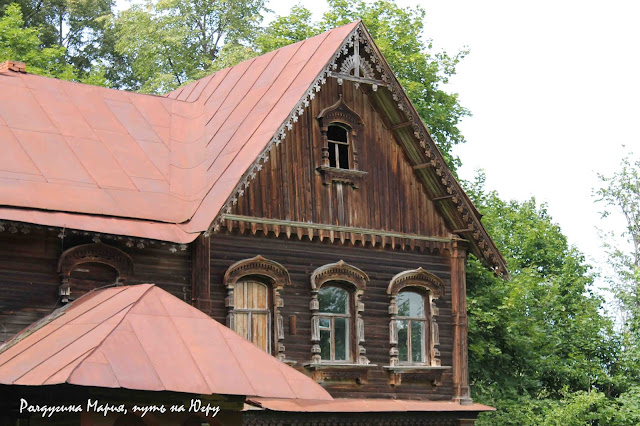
pixel 242 324
pixel 257 295
pixel 337 133
pixel 403 341
pixel 410 304
pixel 325 322
pixel 259 333
pixel 342 339
pixel 333 300
pixel 343 154
pixel 417 341
pixel 325 344
pixel 332 154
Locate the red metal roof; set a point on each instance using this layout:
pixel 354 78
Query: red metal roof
pixel 363 405
pixel 141 337
pixel 156 167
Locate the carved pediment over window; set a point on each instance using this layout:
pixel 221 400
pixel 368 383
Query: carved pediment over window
pixel 339 126
pixel 407 283
pixel 92 253
pixel 416 278
pixel 339 113
pixel 257 266
pixel 339 271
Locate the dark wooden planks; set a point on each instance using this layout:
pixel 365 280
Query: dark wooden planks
pixel 301 258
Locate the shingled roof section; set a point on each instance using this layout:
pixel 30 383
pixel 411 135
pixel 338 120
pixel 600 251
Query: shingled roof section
pixel 118 338
pixel 168 167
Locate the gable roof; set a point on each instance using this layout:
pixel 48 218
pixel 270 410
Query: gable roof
pixel 118 338
pixel 167 167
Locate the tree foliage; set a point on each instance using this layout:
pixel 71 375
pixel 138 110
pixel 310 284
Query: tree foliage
pixel 398 32
pixel 78 26
pixel 26 45
pixel 169 42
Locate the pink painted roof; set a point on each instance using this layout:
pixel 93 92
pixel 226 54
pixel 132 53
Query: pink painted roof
pixel 362 405
pixel 156 167
pixel 141 337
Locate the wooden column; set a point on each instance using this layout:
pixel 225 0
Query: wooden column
pixel 461 391
pixel 201 273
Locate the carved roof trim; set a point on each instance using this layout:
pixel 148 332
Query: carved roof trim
pixel 416 278
pixel 95 253
pixel 258 265
pixel 339 271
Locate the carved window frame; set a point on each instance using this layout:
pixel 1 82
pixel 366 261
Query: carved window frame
pixel 277 277
pixel 355 281
pixel 92 253
pixel 432 287
pixel 341 115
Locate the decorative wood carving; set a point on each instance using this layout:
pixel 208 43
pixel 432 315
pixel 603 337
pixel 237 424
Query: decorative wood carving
pixel 434 287
pixel 356 374
pixel 278 277
pixel 345 273
pixel 340 112
pixel 92 253
pixel 431 375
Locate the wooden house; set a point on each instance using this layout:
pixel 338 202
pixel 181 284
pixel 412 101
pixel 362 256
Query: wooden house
pixel 296 198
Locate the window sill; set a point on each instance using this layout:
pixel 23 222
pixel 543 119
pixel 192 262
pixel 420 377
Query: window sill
pixel 346 176
pixel 415 374
pixel 340 372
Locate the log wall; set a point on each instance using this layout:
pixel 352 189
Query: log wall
pixel 301 258
pixel 390 196
pixel 29 279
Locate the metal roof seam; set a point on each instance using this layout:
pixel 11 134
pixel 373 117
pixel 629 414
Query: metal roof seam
pixel 235 107
pixel 130 306
pixel 19 336
pixel 224 78
pixel 326 35
pixel 195 362
pixel 63 348
pixel 83 355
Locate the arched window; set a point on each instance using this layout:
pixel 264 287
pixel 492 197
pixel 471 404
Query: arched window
pixel 89 266
pixel 253 302
pixel 334 317
pixel 337 328
pixel 252 313
pixel 339 127
pixel 413 327
pixel 338 143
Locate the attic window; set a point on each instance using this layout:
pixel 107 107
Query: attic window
pixel 338 143
pixel 339 126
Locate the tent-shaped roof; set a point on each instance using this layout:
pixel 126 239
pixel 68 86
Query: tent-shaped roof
pixel 167 168
pixel 141 337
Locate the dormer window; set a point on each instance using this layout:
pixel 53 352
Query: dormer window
pixel 339 127
pixel 338 142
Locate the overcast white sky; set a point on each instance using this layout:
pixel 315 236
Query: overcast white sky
pixel 554 90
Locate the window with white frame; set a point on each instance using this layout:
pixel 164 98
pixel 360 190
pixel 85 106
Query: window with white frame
pixel 334 321
pixel 413 328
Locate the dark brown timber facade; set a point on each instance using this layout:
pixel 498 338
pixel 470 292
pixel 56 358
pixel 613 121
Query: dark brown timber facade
pixel 337 243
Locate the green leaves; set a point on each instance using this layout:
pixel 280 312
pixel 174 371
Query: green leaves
pixel 543 333
pixel 168 43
